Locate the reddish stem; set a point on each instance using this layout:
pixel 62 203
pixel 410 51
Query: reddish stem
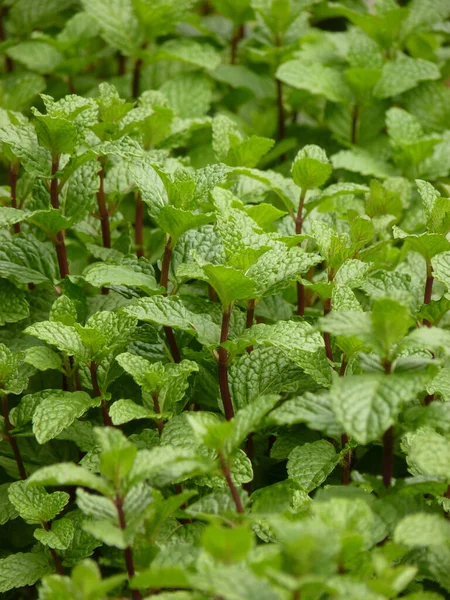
pixel 102 208
pixel 428 290
pixel 8 61
pixel 227 474
pixel 11 439
pixel 237 37
pixel 223 365
pixel 60 245
pixel 164 280
pixel 139 225
pixel 137 77
pixel 122 64
pixel 97 393
pixel 128 553
pixel 12 176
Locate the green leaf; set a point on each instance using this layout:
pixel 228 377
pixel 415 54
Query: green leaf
pixel 422 529
pixel 59 536
pixel 165 465
pixel 27 260
pixel 170 311
pixel 34 504
pixel 359 160
pixel 64 337
pixel 315 78
pixel 227 545
pixel 67 473
pixel 367 405
pixel 22 569
pixel 162 577
pixel 313 409
pixel 7 508
pixel 310 465
pixel 103 274
pixel 13 303
pixel 56 134
pixel 57 411
pixel 428 453
pixel 402 74
pixel 311 167
pixel 21 141
pixel 123 411
pixel 191 52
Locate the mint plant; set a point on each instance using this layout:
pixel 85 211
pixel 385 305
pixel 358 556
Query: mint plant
pixel 224 299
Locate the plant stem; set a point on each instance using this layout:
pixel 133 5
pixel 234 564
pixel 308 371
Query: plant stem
pixel 227 474
pixel 139 225
pixel 122 64
pixel 97 393
pixel 102 208
pixel 223 365
pixel 355 124
pixel 280 106
pixel 12 176
pixel 60 245
pixel 137 77
pixel 58 565
pixel 164 280
pixel 428 290
pixel 160 423
pixel 388 442
pixel 250 318
pixel 298 230
pixel 237 37
pixel 346 469
pixel 128 553
pixel 11 439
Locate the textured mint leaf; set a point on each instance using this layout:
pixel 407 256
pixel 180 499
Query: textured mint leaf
pixel 21 141
pixel 118 23
pixel 236 582
pixel 166 465
pixel 402 74
pixel 366 405
pixel 108 533
pixel 230 284
pixel 265 371
pixel 428 453
pixel 103 274
pixel 57 411
pixel 27 260
pixel 69 474
pixel 59 536
pixel 311 167
pixel 36 56
pixel 123 411
pixel 7 509
pixel 9 216
pixel 315 78
pixel 191 52
pixel 313 409
pixel 34 504
pixel 64 337
pixel 13 303
pixel 176 221
pixel 248 419
pixel 170 311
pixel 193 84
pixel 359 160
pixel 13 373
pixel 422 529
pixel 56 134
pixel 22 569
pixel 310 465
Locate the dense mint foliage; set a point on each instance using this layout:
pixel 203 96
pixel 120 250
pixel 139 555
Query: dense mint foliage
pixel 225 299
